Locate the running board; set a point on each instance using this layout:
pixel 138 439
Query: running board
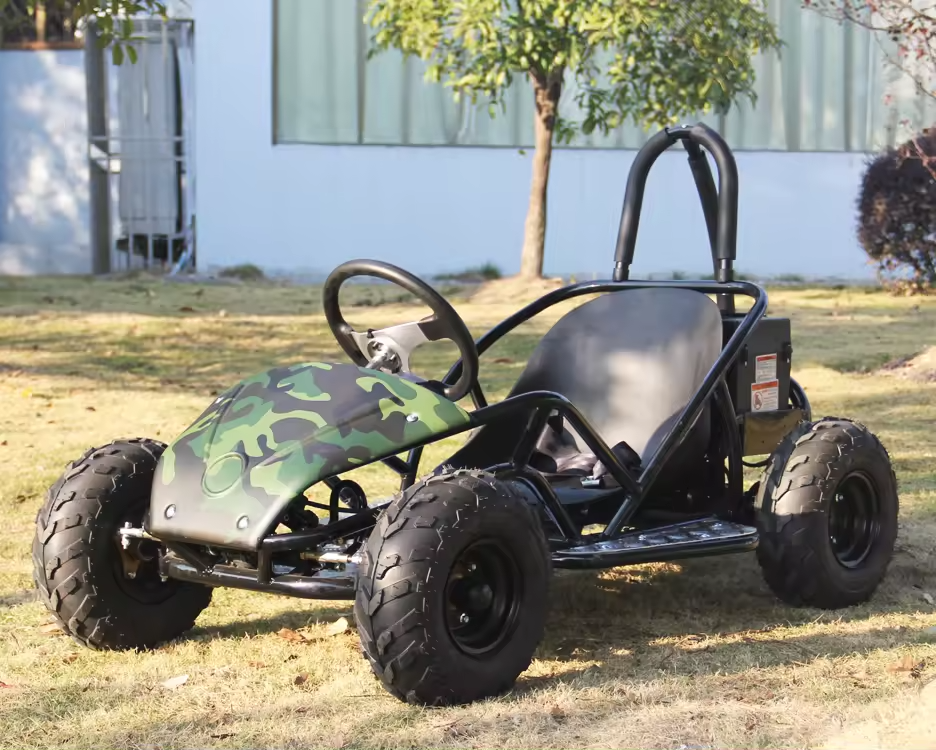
pixel 704 536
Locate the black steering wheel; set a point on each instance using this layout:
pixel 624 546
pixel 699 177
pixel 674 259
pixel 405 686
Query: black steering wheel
pixel 390 348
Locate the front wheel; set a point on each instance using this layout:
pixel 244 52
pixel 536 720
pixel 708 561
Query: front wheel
pixel 102 595
pixel 827 511
pixel 453 588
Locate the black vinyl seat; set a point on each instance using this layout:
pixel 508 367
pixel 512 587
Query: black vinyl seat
pixel 629 361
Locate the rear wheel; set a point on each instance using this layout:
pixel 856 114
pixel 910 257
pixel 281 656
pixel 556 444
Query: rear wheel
pixel 105 596
pixel 827 511
pixel 453 588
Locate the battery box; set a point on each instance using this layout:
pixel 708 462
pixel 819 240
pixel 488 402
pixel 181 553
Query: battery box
pixel 759 382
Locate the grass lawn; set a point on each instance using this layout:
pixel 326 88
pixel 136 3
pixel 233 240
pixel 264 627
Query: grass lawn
pixel 697 654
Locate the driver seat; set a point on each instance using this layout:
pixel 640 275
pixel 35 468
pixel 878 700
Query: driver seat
pixel 629 361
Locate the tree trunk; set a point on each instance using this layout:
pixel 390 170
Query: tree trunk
pixel 546 91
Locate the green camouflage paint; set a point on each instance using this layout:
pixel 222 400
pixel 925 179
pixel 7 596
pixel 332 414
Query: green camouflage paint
pixel 266 440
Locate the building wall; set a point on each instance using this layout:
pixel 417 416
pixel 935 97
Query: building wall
pixel 301 207
pixel 43 165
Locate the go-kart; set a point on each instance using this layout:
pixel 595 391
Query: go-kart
pixel 623 441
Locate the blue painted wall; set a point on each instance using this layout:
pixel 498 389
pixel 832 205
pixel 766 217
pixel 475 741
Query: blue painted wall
pixel 300 207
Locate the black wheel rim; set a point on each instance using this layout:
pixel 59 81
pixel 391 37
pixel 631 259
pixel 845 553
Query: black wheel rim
pixel 482 597
pixel 854 520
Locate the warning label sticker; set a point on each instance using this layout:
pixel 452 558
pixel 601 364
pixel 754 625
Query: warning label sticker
pixel 765 396
pixel 765 368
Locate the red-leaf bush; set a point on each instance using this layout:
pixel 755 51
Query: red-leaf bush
pixel 897 214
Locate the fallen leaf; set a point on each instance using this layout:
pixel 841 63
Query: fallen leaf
pixel 50 628
pixel 90 408
pixel 291 657
pixel 928 598
pixel 301 679
pixel 290 635
pixel 186 308
pixel 175 682
pixel 4 442
pixel 222 736
pixel 338 627
pixel 4 685
pixel 904 665
pixel 70 657
pixel 502 361
pixel 21 499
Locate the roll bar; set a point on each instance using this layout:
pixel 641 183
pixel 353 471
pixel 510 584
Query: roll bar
pixel 720 207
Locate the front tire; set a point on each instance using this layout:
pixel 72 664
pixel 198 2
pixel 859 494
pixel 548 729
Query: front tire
pixel 453 590
pixel 827 512
pixel 78 564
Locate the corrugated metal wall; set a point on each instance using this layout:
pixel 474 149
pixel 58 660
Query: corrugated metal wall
pixel 826 93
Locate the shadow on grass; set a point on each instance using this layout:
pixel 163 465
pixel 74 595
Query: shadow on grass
pixel 212 355
pixel 621 617
pixel 149 296
pixel 208 352
pixel 614 632
pixel 267 625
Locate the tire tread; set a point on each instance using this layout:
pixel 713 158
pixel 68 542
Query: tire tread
pixel 67 529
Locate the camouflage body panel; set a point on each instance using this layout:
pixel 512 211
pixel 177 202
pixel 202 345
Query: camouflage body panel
pixel 262 443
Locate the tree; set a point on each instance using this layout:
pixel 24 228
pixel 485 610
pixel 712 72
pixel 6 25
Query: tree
pixel 909 24
pixel 649 61
pixel 113 18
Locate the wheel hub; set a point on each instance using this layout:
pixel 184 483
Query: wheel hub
pixel 854 520
pixel 136 566
pixel 481 598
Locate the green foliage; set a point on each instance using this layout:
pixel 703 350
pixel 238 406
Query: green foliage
pixel 650 61
pixel 112 17
pixel 244 272
pixel 486 272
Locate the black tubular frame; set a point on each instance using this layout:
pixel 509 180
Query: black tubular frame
pixel 536 406
pixel 720 209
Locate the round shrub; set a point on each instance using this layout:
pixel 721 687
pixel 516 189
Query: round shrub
pixel 897 214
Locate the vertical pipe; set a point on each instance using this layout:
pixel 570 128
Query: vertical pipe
pixel 98 175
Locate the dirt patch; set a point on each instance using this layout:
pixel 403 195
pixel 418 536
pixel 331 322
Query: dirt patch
pixel 920 367
pixel 514 290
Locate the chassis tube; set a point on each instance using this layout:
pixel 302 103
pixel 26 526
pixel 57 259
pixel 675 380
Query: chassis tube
pixel 303 587
pixel 727 225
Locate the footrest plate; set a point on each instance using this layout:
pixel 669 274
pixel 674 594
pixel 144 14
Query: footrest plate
pixel 688 539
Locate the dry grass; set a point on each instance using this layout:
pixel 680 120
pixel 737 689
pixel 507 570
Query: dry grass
pixel 697 654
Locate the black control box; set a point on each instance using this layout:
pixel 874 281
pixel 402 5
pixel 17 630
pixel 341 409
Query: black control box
pixel 759 380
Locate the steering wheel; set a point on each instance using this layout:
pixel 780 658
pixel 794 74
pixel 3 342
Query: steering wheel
pixel 390 348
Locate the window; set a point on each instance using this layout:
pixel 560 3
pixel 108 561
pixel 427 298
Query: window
pixel 826 92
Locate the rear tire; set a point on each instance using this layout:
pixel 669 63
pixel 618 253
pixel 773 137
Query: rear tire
pixel 827 511
pixel 453 590
pixel 78 565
